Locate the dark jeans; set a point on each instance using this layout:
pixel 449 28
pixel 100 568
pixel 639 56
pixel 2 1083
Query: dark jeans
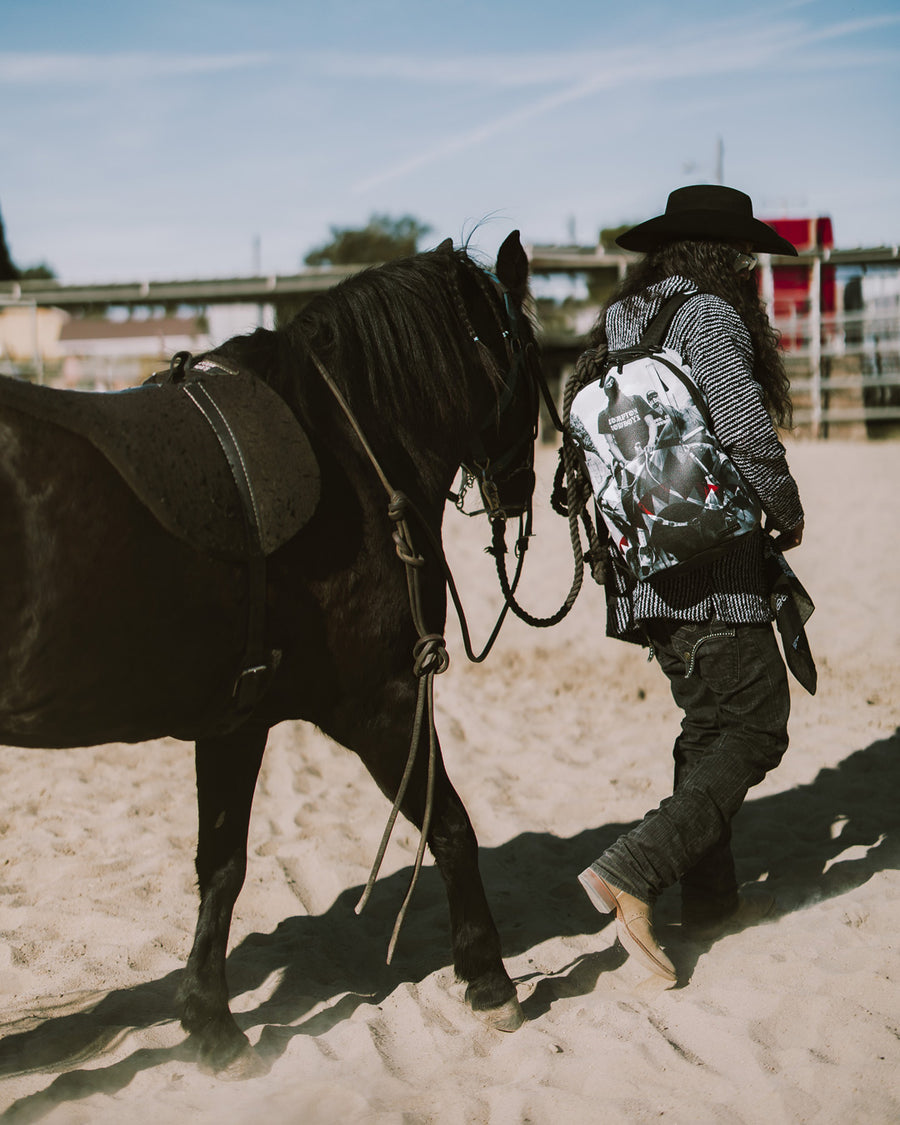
pixel 731 683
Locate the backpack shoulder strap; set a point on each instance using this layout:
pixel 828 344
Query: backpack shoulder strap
pixel 652 340
pixel 656 330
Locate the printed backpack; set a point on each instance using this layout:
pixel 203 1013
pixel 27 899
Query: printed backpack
pixel 669 494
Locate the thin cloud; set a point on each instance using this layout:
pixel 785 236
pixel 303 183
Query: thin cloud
pixel 852 27
pixel 710 54
pixel 644 66
pixel 41 68
pixel 487 71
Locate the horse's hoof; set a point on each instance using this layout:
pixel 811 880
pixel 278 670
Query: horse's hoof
pixel 233 1066
pixel 227 1054
pixel 508 1017
pixel 248 1064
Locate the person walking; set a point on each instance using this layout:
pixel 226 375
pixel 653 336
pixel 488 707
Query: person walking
pixel 709 626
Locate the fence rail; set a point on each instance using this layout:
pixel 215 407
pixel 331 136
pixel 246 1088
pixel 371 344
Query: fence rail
pixel 844 368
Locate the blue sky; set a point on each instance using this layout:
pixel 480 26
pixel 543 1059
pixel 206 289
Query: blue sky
pixel 162 139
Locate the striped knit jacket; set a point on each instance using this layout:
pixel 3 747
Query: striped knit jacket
pixel 710 336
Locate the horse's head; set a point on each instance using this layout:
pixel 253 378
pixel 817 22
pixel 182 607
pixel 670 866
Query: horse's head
pixel 500 454
pixel 436 360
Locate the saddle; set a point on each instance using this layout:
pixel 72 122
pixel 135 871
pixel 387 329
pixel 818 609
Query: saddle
pixel 211 451
pixel 217 457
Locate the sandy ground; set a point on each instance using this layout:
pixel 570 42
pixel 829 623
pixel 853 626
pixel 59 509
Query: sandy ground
pixel 556 744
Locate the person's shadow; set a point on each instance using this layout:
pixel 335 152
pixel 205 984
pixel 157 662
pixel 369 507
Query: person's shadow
pixel 796 839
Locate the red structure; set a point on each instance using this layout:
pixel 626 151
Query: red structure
pixel 793 283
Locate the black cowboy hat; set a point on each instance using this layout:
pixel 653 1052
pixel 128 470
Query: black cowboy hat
pixel 710 212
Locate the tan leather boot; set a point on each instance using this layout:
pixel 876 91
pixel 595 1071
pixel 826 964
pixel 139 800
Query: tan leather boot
pixel 634 926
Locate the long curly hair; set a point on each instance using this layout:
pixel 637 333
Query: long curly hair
pixel 710 265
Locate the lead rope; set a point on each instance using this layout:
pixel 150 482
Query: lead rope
pixel 430 658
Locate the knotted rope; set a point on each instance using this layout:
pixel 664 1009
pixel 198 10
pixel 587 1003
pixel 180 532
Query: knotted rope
pixel 430 658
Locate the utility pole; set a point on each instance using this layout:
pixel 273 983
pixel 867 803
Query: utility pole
pixel 720 161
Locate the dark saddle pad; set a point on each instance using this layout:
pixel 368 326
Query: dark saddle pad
pixel 163 446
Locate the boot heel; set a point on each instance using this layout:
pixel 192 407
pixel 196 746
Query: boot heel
pixel 598 892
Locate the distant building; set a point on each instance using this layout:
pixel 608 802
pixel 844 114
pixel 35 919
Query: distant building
pixel 156 336
pixel 110 354
pixel 29 335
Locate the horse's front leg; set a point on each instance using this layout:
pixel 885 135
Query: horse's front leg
pixel 381 737
pixel 476 943
pixel 227 769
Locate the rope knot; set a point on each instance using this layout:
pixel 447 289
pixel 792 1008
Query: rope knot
pixel 430 655
pixel 398 507
pixel 405 551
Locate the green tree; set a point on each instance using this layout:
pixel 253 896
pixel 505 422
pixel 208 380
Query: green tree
pixel 608 236
pixel 42 272
pixel 381 240
pixel 8 271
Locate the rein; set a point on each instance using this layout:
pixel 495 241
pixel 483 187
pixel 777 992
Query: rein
pixel 430 656
pixel 571 495
pixel 569 499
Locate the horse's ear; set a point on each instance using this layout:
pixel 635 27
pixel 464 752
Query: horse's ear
pixel 512 265
pixel 446 247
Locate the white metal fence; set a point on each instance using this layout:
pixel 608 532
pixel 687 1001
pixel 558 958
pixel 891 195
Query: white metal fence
pixel 844 369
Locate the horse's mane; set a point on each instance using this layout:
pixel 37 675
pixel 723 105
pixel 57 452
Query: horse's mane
pixel 398 337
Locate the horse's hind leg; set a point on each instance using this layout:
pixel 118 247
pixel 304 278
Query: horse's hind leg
pixel 381 740
pixel 227 769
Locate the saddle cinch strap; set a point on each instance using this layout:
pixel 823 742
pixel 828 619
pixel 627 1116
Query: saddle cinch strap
pixel 259 663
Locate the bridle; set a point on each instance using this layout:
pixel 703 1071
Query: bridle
pixel 523 376
pixel 571 493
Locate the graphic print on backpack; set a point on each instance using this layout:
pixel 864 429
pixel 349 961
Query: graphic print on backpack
pixel 666 489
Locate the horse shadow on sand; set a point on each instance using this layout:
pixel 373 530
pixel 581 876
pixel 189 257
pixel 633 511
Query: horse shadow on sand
pixel 810 843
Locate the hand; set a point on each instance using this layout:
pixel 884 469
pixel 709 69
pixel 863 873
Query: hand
pixel 790 539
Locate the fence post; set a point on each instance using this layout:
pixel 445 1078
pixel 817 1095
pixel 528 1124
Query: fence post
pixel 767 286
pixel 815 345
pixel 36 342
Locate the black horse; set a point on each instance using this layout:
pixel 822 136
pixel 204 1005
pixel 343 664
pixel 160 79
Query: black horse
pixel 115 629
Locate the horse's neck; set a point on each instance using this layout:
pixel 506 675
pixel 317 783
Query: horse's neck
pixel 411 453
